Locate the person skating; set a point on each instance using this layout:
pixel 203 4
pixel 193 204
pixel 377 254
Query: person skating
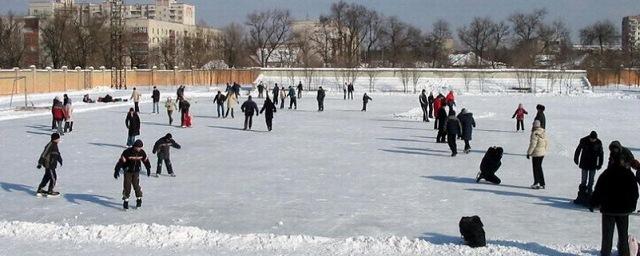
pixel 350 91
pixel 232 101
pixel 249 107
pixel 135 96
pixel 219 101
pixel 184 113
pixel 132 122
pixel 68 116
pixel 283 96
pixel 130 162
pixel 236 89
pixel 537 150
pixel 180 93
pixel 540 116
pixel 268 108
pixel 453 129
pixel 365 101
pixel 170 105
pixel 491 162
pixel 344 90
pixel 156 100
pixel 450 99
pixel 58 117
pixel 300 90
pixel 292 98
pixel 589 156
pixel 162 149
pixel 431 100
pixel 441 118
pixel 49 159
pixel 468 123
pixel 260 90
pixel 519 116
pixel 437 105
pixel 275 92
pixel 56 101
pixel 424 105
pixel 616 194
pixel 320 97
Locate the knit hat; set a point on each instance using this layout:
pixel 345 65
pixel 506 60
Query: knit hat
pixel 540 107
pixel 138 144
pixel 168 136
pixel 55 136
pixel 536 124
pixel 593 135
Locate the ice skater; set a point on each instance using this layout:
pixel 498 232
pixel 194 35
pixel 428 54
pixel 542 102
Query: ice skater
pixel 519 116
pixel 424 105
pixel 162 148
pixel 68 115
pixel 490 164
pixel 540 116
pixel 589 158
pixel 275 92
pixel 130 162
pixel 58 117
pixel 156 100
pixel 219 101
pixel 132 122
pixel 49 159
pixel 249 107
pixel 135 96
pixel 170 105
pixel 441 118
pixel 467 123
pixel 365 101
pixel 268 108
pixel 537 150
pixel 453 129
pixel 320 98
pixel 350 91
pixel 292 98
pixel 260 90
pixel 232 101
pixel 300 90
pixel 431 100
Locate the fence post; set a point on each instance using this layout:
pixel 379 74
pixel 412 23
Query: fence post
pixel 49 71
pixel 153 75
pixel 64 72
pixel 103 74
pixel 90 79
pixel 33 80
pixel 78 70
pixel 175 76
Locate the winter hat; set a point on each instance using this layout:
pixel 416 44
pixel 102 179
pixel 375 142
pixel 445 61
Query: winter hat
pixel 540 107
pixel 138 144
pixel 593 135
pixel 536 124
pixel 55 136
pixel 452 112
pixel 463 111
pixel 168 136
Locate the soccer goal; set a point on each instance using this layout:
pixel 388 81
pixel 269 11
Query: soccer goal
pixel 14 89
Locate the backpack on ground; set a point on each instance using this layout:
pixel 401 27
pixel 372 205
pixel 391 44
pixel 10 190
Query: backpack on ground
pixel 472 231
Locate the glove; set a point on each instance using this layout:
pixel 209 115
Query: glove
pixel 528 156
pixel 39 166
pixel 116 174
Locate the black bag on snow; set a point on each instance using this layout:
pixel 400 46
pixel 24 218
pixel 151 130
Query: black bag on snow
pixel 472 231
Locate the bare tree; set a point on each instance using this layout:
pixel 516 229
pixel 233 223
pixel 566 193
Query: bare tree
pixel 477 36
pixel 11 42
pixel 603 33
pixel 231 44
pixel 373 30
pixel 198 49
pixel 435 43
pixel 396 40
pixel 497 47
pixel 54 37
pixel 526 25
pixel 416 75
pixel 268 30
pixel 85 41
pixel 350 23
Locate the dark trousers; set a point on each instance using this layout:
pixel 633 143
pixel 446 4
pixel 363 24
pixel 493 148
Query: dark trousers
pixel 169 113
pixel 425 113
pixel 587 179
pixel 293 102
pixel 220 109
pixel 431 110
pixel 182 117
pixel 135 105
pixel 167 161
pixel 156 107
pixel 53 123
pixel 350 95
pixel 538 175
pixel 68 126
pixel 490 177
pixel 248 121
pixel 441 135
pixel 436 124
pixel 451 140
pixel 320 105
pixel 608 224
pixel 345 94
pixel 299 94
pixel 59 127
pixel 227 114
pixel 131 140
pixel 131 179
pixel 275 97
pixel 519 125
pixel 269 121
pixel 260 94
pixel 281 103
pixel 467 146
pixel 364 106
pixel 50 176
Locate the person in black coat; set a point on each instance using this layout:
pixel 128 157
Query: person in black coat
pixel 616 193
pixel 300 88
pixel 453 130
pixel 365 101
pixel 467 123
pixel 350 91
pixel 269 108
pixel 156 100
pixel 431 99
pixel 275 92
pixel 49 159
pixel 162 148
pixel 260 90
pixel 589 156
pixel 184 107
pixel 320 98
pixel 219 101
pixel 424 105
pixel 442 118
pixel 130 162
pixel 540 116
pixel 133 125
pixel 249 107
pixel 490 164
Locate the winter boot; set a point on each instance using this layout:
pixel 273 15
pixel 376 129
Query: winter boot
pixel 139 202
pixel 478 177
pixel 125 204
pixel 172 174
pixel 41 192
pixel 53 194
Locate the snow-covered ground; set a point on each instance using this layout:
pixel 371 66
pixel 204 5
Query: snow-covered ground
pixel 341 182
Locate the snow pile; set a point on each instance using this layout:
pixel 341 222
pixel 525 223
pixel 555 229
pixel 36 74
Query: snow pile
pixel 413 114
pixel 181 237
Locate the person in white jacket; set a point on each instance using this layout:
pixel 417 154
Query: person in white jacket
pixel 537 149
pixel 135 96
pixel 232 101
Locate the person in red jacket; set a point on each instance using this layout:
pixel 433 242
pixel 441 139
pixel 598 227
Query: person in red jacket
pixel 437 104
pixel 519 116
pixel 451 100
pixel 58 117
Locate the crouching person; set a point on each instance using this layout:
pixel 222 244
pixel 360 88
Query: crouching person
pixel 162 149
pixel 490 164
pixel 131 162
pixel 616 194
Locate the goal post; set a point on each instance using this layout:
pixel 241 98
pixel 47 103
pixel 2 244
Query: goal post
pixel 14 88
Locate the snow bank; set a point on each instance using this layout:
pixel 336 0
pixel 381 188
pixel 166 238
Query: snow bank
pixel 158 236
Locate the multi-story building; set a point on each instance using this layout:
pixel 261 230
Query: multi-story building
pixel 631 32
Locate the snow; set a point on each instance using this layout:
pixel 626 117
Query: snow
pixel 341 182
